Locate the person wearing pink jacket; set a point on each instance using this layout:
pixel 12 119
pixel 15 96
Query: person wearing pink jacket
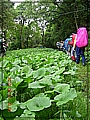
pixel 81 43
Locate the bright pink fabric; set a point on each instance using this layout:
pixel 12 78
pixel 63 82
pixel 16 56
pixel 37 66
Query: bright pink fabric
pixel 82 37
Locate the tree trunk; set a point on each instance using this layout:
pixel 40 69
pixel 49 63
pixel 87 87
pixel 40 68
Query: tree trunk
pixel 75 16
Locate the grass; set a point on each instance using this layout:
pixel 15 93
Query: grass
pixel 83 74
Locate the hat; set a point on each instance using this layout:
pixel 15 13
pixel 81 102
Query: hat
pixel 70 36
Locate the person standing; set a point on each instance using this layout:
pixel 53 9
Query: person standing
pixel 72 43
pixel 81 43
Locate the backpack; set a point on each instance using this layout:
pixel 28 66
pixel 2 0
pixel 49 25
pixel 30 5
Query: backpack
pixel 82 37
pixel 66 43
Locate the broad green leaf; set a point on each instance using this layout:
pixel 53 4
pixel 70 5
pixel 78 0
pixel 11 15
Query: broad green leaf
pixel 29 117
pixel 57 78
pixel 61 70
pixel 4 93
pixel 22 105
pixel 62 88
pixel 38 103
pixel 35 84
pixel 0 97
pixel 65 97
pixel 78 114
pixel 50 70
pixel 66 73
pixel 25 61
pixel 40 95
pixel 4 104
pixel 39 73
pixel 22 117
pixel 30 73
pixel 16 61
pixel 79 82
pixel 14 106
pixel 17 67
pixel 12 100
pixel 4 63
pixel 1 77
pixel 26 69
pixel 29 112
pixel 16 81
pixel 49 92
pixel 70 72
pixel 47 80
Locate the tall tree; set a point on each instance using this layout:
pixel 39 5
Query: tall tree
pixel 51 20
pixel 6 16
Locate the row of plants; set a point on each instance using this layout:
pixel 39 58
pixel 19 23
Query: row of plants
pixel 44 86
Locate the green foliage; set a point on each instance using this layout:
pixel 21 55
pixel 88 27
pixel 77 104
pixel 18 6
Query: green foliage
pixel 58 20
pixel 43 81
pixel 37 104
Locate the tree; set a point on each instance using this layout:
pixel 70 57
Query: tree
pixel 5 15
pixel 49 21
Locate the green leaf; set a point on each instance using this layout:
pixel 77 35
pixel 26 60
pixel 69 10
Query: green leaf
pixel 28 112
pixel 12 99
pixel 66 73
pixel 25 61
pixel 77 114
pixel 47 80
pixel 4 93
pixel 22 105
pixel 16 61
pixel 70 72
pixel 50 70
pixel 39 73
pixel 16 81
pixel 38 103
pixel 62 88
pixel 1 77
pixel 35 84
pixel 4 104
pixel 0 97
pixel 14 106
pixel 26 69
pixel 4 63
pixel 61 70
pixel 29 117
pixel 79 82
pixel 49 92
pixel 17 67
pixel 65 97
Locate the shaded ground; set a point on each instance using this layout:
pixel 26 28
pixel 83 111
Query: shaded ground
pixel 83 73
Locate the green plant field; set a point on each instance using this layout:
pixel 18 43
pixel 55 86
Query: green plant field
pixel 45 85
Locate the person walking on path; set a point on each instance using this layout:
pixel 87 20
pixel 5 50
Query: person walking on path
pixel 81 43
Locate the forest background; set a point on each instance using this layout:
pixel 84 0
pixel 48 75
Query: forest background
pixel 43 22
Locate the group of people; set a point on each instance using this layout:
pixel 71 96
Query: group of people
pixel 74 46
